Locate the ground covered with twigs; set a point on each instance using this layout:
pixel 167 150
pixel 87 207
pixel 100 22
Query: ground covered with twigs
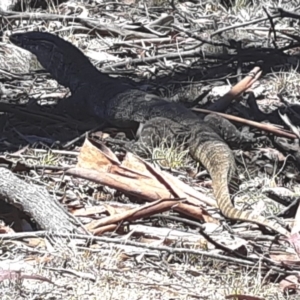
pixel 144 242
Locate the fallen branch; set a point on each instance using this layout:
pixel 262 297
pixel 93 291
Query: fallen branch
pixel 266 127
pixel 36 202
pixel 236 90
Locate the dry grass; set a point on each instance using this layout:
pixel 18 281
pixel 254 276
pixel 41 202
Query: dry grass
pixel 118 276
pixel 171 156
pixel 286 83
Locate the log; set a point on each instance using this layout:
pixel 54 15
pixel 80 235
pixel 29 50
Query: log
pixel 36 202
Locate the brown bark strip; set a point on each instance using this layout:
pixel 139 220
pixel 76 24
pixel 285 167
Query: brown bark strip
pixel 266 127
pixel 236 90
pixel 144 212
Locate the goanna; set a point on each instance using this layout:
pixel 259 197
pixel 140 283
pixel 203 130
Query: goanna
pixel 122 104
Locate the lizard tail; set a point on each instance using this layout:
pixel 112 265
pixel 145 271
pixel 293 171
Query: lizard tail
pixel 219 161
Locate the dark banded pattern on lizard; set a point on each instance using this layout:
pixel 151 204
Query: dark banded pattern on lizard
pixel 122 104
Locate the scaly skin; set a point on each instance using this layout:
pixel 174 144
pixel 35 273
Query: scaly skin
pixel 121 104
pixel 220 168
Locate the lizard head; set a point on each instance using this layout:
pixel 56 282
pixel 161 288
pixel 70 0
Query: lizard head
pixel 65 62
pixel 33 41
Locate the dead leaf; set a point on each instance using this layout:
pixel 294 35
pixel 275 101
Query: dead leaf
pixel 136 177
pixel 90 157
pixel 290 284
pixel 294 239
pixel 288 259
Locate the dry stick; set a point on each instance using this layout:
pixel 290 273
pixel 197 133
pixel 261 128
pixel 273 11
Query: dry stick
pixel 123 241
pixel 266 127
pixel 90 22
pixel 144 211
pixel 272 26
pixel 161 23
pixel 236 90
pixel 150 41
pixel 190 53
pixel 18 275
pixel 12 75
pixel 191 34
pixel 277 15
pixel 287 14
pixel 199 38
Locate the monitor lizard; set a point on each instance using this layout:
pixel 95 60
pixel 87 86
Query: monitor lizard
pixel 122 104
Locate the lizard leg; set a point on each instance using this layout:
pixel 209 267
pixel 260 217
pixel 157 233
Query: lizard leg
pixel 156 131
pixel 228 131
pixel 75 105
